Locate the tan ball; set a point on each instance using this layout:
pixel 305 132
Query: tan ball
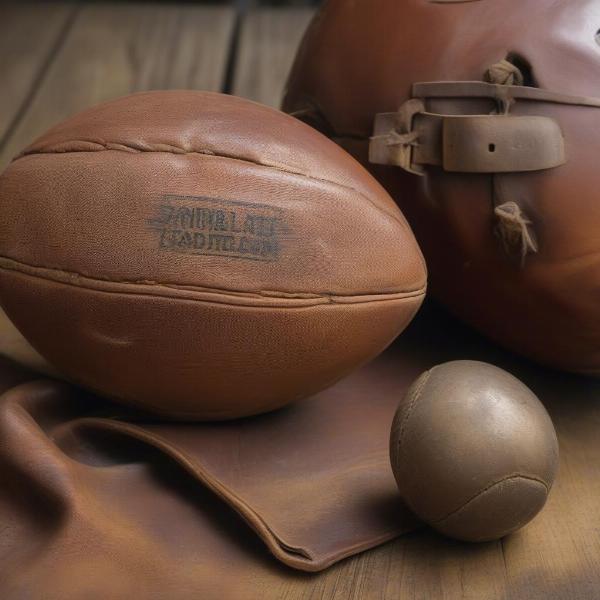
pixel 473 451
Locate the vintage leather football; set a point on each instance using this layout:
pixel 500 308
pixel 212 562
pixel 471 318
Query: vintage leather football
pixel 473 450
pixel 201 256
pixel 484 118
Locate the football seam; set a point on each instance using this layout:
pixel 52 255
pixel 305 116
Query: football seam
pixel 513 476
pixel 220 296
pixel 170 149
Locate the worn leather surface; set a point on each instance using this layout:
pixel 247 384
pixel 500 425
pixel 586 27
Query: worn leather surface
pixel 359 59
pixel 201 256
pixel 473 451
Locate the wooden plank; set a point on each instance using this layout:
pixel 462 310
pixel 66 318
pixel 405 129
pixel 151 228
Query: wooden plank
pixel 29 33
pixel 267 46
pixel 116 49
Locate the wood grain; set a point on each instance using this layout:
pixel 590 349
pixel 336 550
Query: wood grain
pixel 30 34
pixel 115 49
pixel 267 46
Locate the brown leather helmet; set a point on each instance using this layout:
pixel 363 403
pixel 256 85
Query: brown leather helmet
pixel 485 116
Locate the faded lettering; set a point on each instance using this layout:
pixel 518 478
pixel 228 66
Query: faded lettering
pixel 202 225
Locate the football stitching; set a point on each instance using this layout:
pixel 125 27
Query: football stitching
pixel 259 295
pixel 166 148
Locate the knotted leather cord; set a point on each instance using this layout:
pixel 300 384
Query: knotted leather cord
pixel 512 226
pixel 395 138
pixel 504 73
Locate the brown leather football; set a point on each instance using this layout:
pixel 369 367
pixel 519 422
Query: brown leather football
pixel 484 118
pixel 201 256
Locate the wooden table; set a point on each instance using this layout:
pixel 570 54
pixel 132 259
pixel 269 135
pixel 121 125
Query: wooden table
pixel 56 59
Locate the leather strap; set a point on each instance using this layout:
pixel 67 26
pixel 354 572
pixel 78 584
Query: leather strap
pixel 468 144
pixel 413 138
pixel 498 92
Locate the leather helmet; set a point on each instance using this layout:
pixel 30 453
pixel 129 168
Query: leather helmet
pixel 482 119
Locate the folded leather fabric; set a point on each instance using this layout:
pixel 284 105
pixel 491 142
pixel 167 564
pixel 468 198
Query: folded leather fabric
pixel 106 498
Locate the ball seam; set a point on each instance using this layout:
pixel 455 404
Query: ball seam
pixel 514 476
pixel 220 296
pixel 416 397
pixel 170 149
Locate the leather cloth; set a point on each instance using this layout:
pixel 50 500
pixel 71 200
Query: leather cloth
pixel 112 491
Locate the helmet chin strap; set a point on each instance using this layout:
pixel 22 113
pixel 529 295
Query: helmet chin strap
pixel 476 133
pixel 513 228
pixel 463 141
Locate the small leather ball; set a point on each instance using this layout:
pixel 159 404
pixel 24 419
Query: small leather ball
pixel 473 451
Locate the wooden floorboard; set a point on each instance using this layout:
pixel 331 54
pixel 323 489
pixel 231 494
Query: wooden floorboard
pixel 267 46
pixel 115 49
pixel 30 34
